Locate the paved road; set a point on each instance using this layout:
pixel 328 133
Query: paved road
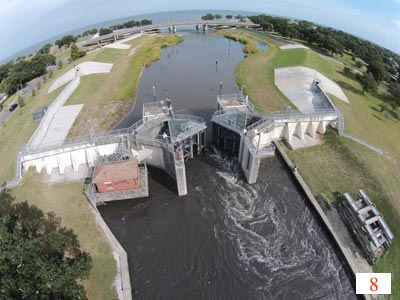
pixel 5 114
pixel 25 92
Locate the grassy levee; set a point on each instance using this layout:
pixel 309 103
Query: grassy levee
pixel 249 46
pixel 108 96
pixel 339 165
pixel 68 202
pixel 99 93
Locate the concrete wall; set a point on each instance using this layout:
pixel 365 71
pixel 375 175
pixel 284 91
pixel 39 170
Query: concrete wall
pixel 286 130
pixel 66 157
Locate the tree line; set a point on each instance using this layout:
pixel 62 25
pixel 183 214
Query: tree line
pixel 13 75
pixel 210 16
pixel 128 24
pixel 330 40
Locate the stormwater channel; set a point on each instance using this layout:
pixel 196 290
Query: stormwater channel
pixel 226 239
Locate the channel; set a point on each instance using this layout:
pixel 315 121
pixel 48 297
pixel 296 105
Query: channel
pixel 226 239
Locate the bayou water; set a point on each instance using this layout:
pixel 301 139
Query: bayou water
pixel 226 239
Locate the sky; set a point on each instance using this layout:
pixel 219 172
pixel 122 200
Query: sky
pixel 24 23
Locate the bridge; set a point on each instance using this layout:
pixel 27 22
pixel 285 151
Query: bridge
pixel 204 24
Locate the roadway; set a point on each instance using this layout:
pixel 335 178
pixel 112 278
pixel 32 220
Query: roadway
pixel 129 31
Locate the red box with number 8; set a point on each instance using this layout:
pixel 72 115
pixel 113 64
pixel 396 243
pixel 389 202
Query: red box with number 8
pixel 373 283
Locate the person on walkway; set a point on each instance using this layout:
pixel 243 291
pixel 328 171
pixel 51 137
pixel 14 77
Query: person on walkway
pixel 165 136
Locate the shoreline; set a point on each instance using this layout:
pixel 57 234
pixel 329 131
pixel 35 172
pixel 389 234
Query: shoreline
pixel 132 105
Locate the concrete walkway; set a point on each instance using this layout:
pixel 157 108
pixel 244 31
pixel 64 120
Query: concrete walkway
pixel 59 119
pixel 83 69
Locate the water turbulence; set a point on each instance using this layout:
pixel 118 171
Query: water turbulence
pixel 226 239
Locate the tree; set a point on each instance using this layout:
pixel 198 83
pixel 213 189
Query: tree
pixel 93 31
pixel 384 106
pixel 146 22
pixel 217 16
pixel 367 82
pixel 394 90
pixel 377 69
pixel 239 17
pixel 33 92
pixel 21 101
pixel 104 31
pixel 208 17
pixel 347 71
pixel 45 49
pixel 39 258
pixel 228 17
pixel 76 53
pixel 60 64
pixel 66 40
pixel 51 73
pixel 38 85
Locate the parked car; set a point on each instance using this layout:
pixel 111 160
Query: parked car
pixel 13 107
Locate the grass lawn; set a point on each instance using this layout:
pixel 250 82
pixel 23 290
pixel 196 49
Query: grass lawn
pixel 68 202
pixel 108 96
pixel 339 165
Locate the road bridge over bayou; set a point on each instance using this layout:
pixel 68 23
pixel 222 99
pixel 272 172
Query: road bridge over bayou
pixel 199 24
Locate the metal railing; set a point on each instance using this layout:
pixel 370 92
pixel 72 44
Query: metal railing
pixel 260 152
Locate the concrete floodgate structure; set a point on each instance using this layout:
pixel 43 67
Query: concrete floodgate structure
pixel 240 128
pixel 161 139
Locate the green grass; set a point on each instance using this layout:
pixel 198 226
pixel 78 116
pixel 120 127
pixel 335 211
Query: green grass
pixel 289 58
pixel 249 46
pixel 339 165
pixel 69 203
pixel 144 56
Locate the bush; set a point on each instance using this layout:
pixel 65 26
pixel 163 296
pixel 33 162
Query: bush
pixel 21 101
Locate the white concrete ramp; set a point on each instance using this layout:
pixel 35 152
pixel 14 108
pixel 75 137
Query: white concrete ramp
pixel 297 84
pixel 62 123
pixel 293 46
pixel 52 115
pixel 83 69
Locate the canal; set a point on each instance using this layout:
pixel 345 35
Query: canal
pixel 226 239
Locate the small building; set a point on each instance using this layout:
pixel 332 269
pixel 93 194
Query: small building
pixel 40 112
pixel 116 176
pixel 368 225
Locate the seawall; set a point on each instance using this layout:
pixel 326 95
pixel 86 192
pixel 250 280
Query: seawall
pixel 318 209
pixel 122 280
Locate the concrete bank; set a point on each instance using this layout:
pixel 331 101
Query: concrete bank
pixel 122 281
pixel 321 214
